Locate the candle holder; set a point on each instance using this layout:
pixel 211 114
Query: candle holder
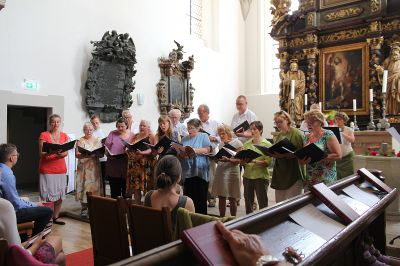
pixel 292 109
pixel 355 122
pixel 384 121
pixel 371 124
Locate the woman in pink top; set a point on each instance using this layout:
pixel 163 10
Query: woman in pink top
pixel 52 168
pixel 117 162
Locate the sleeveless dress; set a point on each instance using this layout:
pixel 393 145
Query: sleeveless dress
pixel 181 204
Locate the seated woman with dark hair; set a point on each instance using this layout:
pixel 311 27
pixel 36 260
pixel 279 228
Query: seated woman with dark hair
pixel 168 173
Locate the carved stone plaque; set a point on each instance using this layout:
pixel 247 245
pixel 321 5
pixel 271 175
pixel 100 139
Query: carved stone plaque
pixel 110 74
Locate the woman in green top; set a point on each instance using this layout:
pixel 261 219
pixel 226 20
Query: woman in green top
pixel 256 177
pixel 288 173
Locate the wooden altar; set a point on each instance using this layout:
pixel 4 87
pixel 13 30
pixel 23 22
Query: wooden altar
pixel 337 44
pixel 278 231
pixel 370 139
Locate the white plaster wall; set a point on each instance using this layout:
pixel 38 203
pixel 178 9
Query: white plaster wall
pixel 49 41
pixel 264 105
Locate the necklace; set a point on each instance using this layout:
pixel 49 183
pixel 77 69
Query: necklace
pixel 55 137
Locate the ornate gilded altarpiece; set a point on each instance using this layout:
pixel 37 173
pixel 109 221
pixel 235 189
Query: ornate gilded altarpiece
pixel 360 30
pixel 174 90
pixel 109 83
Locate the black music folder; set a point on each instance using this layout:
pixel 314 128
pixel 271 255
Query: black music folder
pixel 54 147
pixel 141 145
pixel 336 131
pixel 247 154
pixel 312 151
pixel 277 147
pixel 164 142
pixel 223 152
pixel 97 152
pixel 242 127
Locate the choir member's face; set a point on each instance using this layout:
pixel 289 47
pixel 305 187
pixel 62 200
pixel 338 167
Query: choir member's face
pixel 144 127
pixel 281 123
pixel 241 105
pixel 121 127
pixel 88 130
pixel 224 137
pixel 175 119
pixel 203 115
pixel 128 118
pixel 96 123
pixel 314 125
pixel 254 131
pixel 55 124
pixel 339 121
pixel 192 130
pixel 164 126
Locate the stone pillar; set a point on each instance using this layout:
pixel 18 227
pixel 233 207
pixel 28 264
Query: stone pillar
pixel 311 78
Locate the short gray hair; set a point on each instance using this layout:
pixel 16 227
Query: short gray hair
pixel 175 111
pixel 6 149
pixel 205 107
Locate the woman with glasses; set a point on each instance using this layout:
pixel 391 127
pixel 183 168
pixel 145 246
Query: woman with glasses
pixel 324 170
pixel 288 173
pixel 52 167
pixel 195 170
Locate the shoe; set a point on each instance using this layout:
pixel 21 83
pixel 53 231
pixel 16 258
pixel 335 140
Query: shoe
pixel 55 221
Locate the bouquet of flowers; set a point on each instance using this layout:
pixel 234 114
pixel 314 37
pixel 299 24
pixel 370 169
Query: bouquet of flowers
pixel 330 117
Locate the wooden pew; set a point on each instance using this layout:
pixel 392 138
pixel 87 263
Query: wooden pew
pixel 275 227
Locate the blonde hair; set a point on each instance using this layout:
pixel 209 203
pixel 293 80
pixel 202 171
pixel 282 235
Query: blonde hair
pixel 314 115
pixel 227 129
pixel 284 115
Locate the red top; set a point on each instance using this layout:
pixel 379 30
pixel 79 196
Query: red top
pixel 52 164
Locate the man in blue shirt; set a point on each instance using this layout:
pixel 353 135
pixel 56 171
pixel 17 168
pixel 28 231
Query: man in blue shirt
pixel 25 210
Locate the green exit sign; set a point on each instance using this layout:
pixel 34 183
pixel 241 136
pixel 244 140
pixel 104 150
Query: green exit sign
pixel 31 85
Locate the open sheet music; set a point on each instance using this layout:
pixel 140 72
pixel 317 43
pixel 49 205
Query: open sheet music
pixel 315 221
pixel 99 152
pixel 54 147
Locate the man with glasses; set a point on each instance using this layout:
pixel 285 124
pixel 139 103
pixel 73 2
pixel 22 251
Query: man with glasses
pixel 179 128
pixel 242 115
pixel 25 210
pixel 132 126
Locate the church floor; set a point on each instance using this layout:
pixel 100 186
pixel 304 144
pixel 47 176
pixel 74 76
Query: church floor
pixel 76 234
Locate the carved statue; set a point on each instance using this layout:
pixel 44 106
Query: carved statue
pixel 392 65
pixel 279 10
pixel 300 86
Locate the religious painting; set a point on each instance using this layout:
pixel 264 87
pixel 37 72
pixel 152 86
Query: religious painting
pixel 332 3
pixel 343 76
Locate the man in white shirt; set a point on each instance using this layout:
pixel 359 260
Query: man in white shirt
pixel 179 128
pixel 133 126
pixel 242 115
pixel 210 126
pixel 99 133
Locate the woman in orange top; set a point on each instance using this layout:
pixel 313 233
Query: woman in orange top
pixel 52 168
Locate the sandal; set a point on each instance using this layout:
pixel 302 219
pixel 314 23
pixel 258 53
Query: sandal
pixel 55 221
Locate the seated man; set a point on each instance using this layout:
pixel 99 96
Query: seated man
pixel 25 210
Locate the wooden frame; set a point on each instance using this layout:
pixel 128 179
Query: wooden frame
pixel 343 76
pixel 333 3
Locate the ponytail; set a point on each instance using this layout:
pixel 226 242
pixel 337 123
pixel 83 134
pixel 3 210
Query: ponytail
pixel 164 180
